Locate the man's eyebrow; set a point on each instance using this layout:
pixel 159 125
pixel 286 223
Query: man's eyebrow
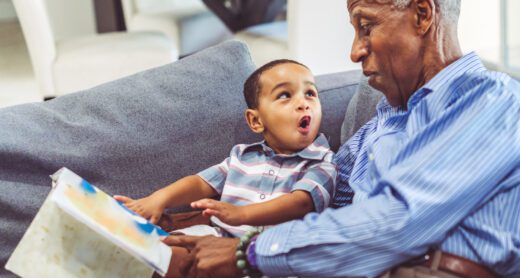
pixel 360 13
pixel 356 13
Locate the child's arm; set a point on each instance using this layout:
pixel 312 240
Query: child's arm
pixel 284 208
pixel 319 178
pixel 179 193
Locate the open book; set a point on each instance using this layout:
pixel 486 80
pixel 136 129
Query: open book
pixel 80 231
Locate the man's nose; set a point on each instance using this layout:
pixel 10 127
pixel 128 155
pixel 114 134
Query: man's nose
pixel 359 50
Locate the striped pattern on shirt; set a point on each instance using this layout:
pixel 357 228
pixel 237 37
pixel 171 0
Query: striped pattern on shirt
pixel 254 174
pixel 445 173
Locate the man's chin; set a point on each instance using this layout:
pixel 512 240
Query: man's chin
pixel 373 82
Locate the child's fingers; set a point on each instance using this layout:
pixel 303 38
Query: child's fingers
pixel 154 219
pixel 205 203
pixel 132 205
pixel 211 212
pixel 122 199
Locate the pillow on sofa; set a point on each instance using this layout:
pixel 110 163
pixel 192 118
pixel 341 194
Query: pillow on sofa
pixel 361 108
pixel 130 136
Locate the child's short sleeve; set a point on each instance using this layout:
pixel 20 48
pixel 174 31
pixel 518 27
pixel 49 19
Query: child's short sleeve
pixel 216 175
pixel 319 180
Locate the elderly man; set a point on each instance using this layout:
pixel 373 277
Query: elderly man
pixel 436 174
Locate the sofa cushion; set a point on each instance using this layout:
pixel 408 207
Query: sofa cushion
pixel 336 91
pixel 360 109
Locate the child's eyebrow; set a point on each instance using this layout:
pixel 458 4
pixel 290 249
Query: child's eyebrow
pixel 311 83
pixel 287 83
pixel 279 85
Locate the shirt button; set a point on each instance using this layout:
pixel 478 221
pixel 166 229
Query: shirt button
pixel 271 172
pixel 262 196
pixel 371 156
pixel 274 247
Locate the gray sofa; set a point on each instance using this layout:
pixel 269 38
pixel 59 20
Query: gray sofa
pixel 137 134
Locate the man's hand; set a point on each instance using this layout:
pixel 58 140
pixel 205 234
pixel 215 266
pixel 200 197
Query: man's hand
pixel 150 207
pixel 228 213
pixel 209 256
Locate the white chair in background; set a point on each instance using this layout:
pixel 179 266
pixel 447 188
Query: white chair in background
pixel 159 15
pixel 189 23
pixel 68 55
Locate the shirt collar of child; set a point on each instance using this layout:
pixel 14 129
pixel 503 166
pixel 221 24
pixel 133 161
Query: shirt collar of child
pixel 315 151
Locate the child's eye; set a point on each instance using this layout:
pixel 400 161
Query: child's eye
pixel 283 95
pixel 310 93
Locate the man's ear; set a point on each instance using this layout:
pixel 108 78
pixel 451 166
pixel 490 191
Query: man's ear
pixel 425 12
pixel 254 121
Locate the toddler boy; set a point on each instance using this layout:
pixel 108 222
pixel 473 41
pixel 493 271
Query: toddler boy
pixel 282 178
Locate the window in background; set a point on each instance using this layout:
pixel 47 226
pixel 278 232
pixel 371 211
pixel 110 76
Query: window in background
pixel 491 28
pixel 479 29
pixel 510 10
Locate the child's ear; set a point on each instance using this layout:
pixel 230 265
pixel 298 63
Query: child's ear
pixel 253 121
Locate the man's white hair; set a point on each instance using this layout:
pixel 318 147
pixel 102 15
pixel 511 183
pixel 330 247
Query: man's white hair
pixel 449 9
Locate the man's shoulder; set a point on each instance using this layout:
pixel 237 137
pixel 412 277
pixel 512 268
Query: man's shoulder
pixel 488 82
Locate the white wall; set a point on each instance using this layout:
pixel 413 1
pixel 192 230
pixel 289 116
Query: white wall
pixel 7 12
pixel 479 28
pixel 325 35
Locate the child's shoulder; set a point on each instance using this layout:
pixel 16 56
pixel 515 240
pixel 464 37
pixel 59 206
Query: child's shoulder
pixel 239 149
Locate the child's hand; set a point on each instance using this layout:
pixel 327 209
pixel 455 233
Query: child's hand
pixel 229 214
pixel 148 207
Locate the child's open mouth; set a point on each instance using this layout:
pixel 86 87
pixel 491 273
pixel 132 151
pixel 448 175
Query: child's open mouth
pixel 304 125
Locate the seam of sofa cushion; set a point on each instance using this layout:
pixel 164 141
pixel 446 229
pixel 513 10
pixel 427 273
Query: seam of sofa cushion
pixel 325 85
pixel 338 87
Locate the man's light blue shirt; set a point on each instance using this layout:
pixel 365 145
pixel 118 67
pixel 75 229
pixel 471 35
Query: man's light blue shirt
pixel 445 173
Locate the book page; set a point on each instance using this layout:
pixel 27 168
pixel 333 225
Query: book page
pixel 99 211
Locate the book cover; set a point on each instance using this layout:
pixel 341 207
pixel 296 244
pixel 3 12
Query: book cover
pixel 80 231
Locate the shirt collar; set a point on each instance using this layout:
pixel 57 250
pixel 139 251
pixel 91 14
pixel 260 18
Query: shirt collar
pixel 464 65
pixel 447 78
pixel 315 151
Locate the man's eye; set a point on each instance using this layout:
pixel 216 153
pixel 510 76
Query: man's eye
pixel 283 95
pixel 365 28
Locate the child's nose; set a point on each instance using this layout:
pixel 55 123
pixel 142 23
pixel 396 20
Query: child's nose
pixel 303 104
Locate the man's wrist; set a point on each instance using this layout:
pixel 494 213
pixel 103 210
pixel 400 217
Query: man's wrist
pixel 246 256
pixel 251 254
